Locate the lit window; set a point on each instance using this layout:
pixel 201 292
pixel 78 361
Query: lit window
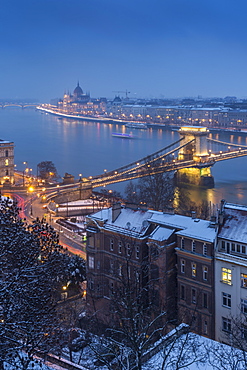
pixel 6 162
pixel 182 265
pixel 244 306
pixel 91 262
pixel 226 324
pixel 205 273
pixel 226 300
pixel 244 280
pixel 226 275
pixel 193 269
pixel 111 244
pixel 205 249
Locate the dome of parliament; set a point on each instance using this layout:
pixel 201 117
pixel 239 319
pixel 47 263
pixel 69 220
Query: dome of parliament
pixel 78 90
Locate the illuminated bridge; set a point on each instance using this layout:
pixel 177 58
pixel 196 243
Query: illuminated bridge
pixel 189 157
pixel 21 105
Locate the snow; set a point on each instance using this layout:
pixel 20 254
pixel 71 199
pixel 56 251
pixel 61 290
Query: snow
pixel 161 234
pixel 235 225
pixel 135 222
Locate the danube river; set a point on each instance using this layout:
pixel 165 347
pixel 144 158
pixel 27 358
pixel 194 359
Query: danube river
pixel 89 148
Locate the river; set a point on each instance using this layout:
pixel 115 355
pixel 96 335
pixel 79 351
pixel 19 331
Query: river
pixel 89 148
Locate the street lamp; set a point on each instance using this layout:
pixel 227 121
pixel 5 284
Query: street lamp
pixel 80 181
pixel 31 189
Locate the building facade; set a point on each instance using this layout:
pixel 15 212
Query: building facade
pixel 147 246
pixel 231 273
pixel 6 162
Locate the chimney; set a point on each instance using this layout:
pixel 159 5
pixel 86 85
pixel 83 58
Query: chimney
pixel 193 215
pixel 116 210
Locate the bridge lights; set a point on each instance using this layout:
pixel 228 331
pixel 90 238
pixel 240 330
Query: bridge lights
pixel 210 152
pixel 239 149
pixel 229 148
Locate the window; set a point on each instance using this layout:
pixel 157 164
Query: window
pixel 111 267
pixel 98 265
pixel 205 300
pixel 137 252
pixel 193 295
pixel 193 246
pixel 120 247
pixel 205 273
pixel 226 324
pixel 193 269
pixel 111 245
pixel 244 306
pixel 120 267
pixel 243 249
pixel 6 153
pixel 205 249
pixel 238 248
pixel 182 292
pixel 226 300
pixel 205 327
pixel 226 275
pixel 233 247
pixel 91 262
pixel 244 280
pixel 128 250
pixel 6 162
pixel 182 265
pixel 223 245
pixel 182 243
pixel 244 332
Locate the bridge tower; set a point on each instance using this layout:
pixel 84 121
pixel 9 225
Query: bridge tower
pixel 196 150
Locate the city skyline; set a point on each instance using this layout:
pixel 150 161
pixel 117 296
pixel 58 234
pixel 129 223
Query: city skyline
pixel 161 49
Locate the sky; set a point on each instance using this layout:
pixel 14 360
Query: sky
pixel 151 48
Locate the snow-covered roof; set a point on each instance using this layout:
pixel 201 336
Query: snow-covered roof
pixel 235 225
pixel 136 222
pixel 161 233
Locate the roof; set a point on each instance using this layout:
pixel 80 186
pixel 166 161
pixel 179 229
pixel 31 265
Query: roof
pixel 235 225
pixel 136 222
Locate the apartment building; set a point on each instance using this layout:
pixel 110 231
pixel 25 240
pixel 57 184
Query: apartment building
pixel 231 272
pixel 151 247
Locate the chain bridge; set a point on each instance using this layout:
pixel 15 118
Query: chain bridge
pixel 189 157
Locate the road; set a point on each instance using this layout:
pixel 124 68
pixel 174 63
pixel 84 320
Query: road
pixel 31 208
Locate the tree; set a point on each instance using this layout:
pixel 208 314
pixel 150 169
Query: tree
pixel 156 191
pixel 47 170
pixel 30 268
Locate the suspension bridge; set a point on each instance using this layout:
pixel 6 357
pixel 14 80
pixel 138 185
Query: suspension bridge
pixel 189 157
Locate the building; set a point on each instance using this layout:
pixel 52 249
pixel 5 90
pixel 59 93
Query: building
pixel 81 103
pixel 231 272
pixel 151 247
pixel 6 162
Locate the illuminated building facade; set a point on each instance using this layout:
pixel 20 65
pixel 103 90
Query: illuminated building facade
pixel 6 162
pixel 231 274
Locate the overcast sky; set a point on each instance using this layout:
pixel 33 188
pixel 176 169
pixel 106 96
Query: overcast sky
pixel 151 48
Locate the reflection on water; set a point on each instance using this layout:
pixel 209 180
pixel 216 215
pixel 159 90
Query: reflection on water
pixel 89 148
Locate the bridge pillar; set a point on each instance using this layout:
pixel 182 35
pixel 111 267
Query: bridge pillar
pixel 197 151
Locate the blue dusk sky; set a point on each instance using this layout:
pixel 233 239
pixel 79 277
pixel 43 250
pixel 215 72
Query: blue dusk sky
pixel 158 48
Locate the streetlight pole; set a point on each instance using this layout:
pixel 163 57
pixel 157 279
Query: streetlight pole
pixel 80 181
